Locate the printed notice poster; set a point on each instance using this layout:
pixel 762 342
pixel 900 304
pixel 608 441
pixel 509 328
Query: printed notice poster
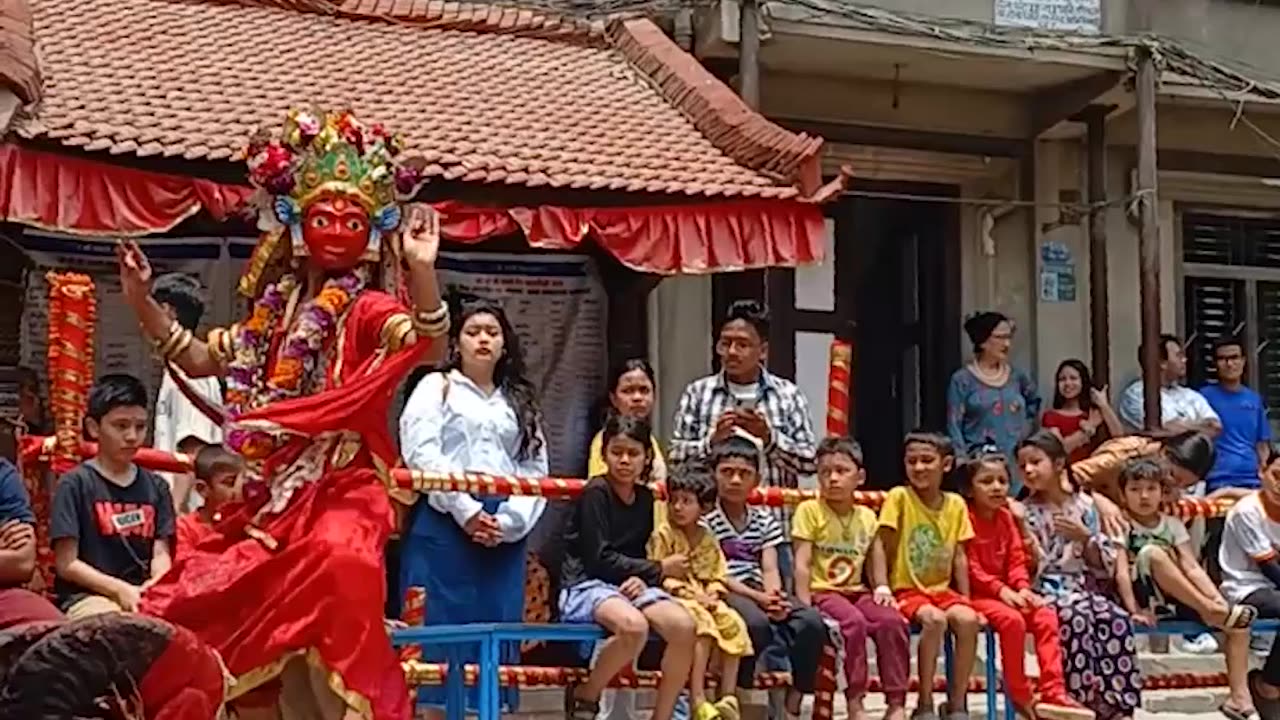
pixel 1062 15
pixel 559 308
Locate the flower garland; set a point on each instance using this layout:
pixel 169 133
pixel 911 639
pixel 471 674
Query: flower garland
pixel 252 379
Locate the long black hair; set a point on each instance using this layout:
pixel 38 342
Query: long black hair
pixel 1190 450
pixel 508 373
pixel 1086 384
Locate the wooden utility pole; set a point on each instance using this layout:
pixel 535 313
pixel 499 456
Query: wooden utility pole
pixel 1148 237
pixel 749 52
pixel 1095 118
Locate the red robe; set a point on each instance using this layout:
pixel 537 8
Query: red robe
pixel 321 592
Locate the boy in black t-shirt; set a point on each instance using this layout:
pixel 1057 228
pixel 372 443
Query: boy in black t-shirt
pixel 112 521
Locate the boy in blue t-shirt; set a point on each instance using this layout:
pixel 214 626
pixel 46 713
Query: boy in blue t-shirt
pixel 1245 435
pixel 1245 430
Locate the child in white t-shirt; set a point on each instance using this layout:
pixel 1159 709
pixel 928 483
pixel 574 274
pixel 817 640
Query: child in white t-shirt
pixel 1251 569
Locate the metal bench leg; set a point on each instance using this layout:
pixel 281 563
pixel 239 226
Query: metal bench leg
pixel 992 673
pixel 490 705
pixel 948 659
pixel 455 704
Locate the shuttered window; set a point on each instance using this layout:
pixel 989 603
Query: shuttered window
pixel 1231 287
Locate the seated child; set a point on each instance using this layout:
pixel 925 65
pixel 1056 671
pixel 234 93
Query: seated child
pixel 834 540
pixel 1001 586
pixel 1158 576
pixel 702 591
pixel 112 521
pixel 1100 659
pixel 749 537
pixel 608 578
pixel 217 483
pixel 924 531
pixel 1250 564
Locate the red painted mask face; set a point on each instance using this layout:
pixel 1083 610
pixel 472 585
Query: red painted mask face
pixel 336 232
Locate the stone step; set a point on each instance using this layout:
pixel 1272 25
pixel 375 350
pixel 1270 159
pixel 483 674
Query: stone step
pixel 547 704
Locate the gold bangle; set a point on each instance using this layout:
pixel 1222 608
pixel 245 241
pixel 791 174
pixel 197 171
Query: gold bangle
pixel 430 317
pixel 435 329
pixel 165 346
pixel 184 341
pixel 432 323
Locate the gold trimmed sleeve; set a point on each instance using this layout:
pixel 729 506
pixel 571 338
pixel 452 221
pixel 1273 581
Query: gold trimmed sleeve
pixel 397 332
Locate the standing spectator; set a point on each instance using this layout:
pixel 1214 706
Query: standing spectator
pixel 632 388
pixel 1081 413
pixel 1181 408
pixel 989 401
pixel 1246 433
pixel 479 416
pixel 18 605
pixel 31 405
pixel 1245 430
pixel 179 417
pixel 746 399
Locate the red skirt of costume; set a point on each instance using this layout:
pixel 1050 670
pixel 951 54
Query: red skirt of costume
pixel 320 591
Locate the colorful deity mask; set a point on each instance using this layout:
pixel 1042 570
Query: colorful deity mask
pixel 334 184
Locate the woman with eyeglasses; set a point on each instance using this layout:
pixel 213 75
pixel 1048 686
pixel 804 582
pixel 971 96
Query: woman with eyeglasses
pixel 989 400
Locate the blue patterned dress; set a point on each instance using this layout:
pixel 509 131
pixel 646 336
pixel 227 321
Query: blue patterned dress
pixel 978 413
pixel 1100 659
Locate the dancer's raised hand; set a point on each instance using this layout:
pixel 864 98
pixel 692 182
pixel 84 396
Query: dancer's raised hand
pixel 135 272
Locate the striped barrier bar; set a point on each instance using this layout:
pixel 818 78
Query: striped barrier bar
pixel 39 449
pixel 430 674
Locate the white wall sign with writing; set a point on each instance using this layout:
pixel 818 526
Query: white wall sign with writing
pixel 1068 15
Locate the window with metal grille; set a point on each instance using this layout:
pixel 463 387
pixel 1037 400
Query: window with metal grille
pixel 1231 287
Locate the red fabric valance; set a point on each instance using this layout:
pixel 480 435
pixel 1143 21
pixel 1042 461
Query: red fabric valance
pixel 76 195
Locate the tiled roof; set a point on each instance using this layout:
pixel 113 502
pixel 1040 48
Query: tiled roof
pixel 484 95
pixel 18 69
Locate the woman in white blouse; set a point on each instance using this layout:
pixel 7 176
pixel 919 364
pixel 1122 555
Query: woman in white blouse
pixel 480 415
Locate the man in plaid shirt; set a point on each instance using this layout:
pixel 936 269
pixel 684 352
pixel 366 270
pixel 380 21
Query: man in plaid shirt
pixel 746 399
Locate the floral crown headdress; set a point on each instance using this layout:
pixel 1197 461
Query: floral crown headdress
pixel 324 155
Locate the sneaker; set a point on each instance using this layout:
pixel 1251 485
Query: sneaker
pixel 1261 644
pixel 1062 708
pixel 706 711
pixel 728 708
pixel 1202 644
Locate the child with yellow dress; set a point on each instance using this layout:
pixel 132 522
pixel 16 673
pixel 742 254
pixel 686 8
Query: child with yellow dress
pixel 702 592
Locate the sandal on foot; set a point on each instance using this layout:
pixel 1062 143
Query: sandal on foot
pixel 1238 714
pixel 1240 617
pixel 924 714
pixel 577 708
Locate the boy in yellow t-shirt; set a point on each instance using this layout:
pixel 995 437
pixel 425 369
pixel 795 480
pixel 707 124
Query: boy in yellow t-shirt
pixel 924 531
pixel 833 539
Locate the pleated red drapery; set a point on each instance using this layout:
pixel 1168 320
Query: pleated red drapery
pixel 81 196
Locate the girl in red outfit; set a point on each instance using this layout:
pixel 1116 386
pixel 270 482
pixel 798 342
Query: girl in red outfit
pixel 1081 414
pixel 1001 591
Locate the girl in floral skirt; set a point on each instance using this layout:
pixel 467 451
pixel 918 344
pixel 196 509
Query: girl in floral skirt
pixel 1097 635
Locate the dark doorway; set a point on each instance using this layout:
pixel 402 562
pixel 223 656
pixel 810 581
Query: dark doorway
pixel 904 260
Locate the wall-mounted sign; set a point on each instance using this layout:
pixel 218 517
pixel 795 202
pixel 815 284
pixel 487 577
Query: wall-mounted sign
pixel 1068 15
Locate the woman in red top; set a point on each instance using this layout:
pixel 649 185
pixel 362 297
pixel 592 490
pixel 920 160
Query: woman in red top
pixel 1081 414
pixel 1001 589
